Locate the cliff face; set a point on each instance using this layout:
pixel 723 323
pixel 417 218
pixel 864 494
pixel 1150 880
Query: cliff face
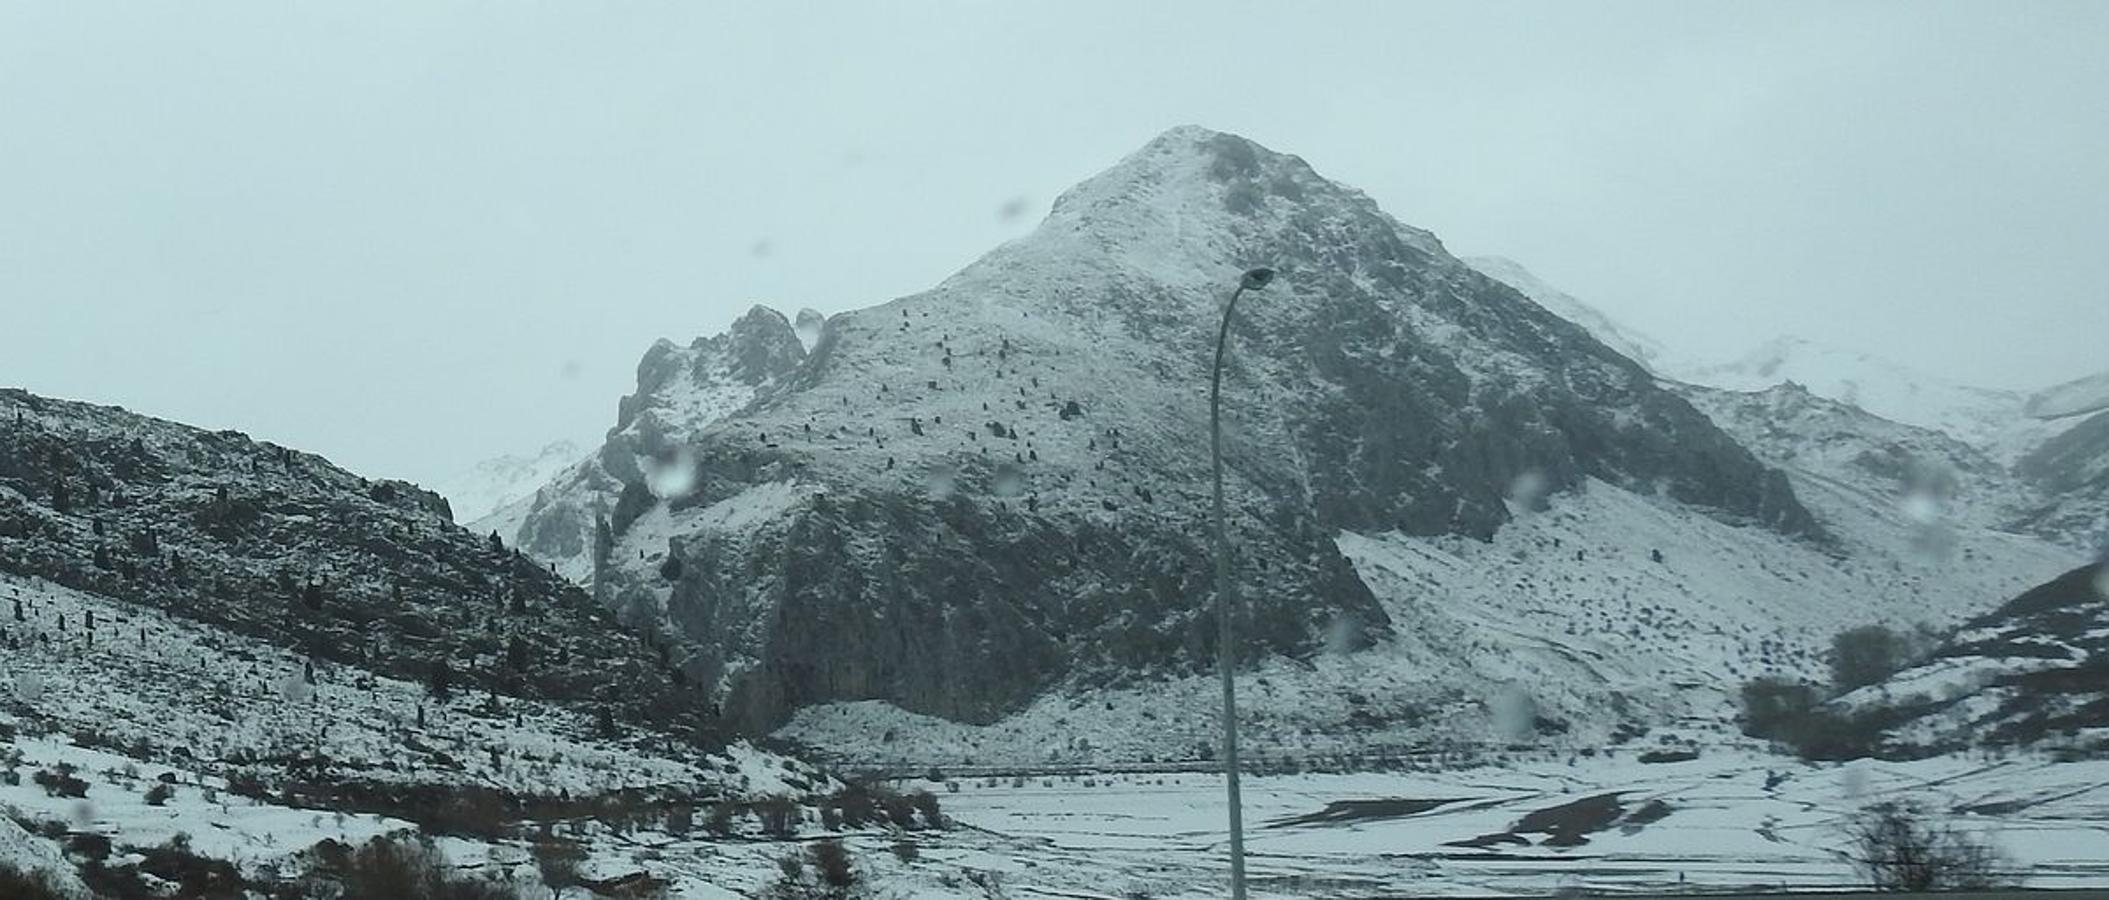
pixel 961 498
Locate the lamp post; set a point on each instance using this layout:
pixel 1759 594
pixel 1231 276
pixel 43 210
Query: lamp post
pixel 1252 280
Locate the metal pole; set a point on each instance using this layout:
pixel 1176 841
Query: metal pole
pixel 1225 594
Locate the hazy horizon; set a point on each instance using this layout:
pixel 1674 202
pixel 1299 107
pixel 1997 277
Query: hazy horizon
pixel 410 237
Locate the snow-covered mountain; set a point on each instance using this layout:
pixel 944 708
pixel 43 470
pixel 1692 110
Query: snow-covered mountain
pixel 1995 421
pixel 1632 344
pixel 228 662
pixel 2003 424
pixel 981 504
pixel 2073 398
pixel 499 481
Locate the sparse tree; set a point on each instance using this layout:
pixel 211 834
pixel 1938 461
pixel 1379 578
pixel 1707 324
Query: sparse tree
pixel 441 683
pixel 558 862
pixel 1867 655
pixel 1898 849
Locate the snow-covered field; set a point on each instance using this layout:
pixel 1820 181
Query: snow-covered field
pixel 1730 819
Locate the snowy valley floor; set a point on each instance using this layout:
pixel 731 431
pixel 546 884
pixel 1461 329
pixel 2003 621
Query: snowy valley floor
pixel 1703 825
pixel 1706 824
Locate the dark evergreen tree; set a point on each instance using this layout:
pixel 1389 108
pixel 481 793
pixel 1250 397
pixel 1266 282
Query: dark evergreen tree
pixel 441 684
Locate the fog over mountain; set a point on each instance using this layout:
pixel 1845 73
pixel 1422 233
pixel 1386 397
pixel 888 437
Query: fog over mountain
pixel 354 232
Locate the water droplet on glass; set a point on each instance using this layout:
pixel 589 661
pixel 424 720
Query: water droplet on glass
pixel 1526 492
pixel 940 480
pixel 1343 635
pixel 1010 480
pixel 671 477
pixel 29 687
pixel 1513 711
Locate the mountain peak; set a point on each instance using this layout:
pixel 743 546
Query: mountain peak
pixel 1193 205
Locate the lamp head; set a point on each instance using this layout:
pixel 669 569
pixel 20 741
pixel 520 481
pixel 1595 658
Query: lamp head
pixel 1254 279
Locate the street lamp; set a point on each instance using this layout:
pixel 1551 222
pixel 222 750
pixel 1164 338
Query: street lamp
pixel 1252 280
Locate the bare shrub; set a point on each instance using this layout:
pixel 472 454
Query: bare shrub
pixel 36 885
pixel 1899 849
pixel 388 868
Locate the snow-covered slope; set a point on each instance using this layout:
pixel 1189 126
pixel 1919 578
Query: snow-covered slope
pixel 2035 671
pixel 2071 475
pixel 1632 344
pixel 1994 421
pixel 285 547
pixel 2073 398
pixel 1609 612
pixel 495 483
pixel 254 753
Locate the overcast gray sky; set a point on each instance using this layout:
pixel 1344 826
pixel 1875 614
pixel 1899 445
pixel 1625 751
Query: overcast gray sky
pixel 412 235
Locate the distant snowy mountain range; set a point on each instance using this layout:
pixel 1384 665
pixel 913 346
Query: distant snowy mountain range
pixel 2004 424
pixel 491 484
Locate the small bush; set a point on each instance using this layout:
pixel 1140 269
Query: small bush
pixel 906 851
pixel 1899 850
pixel 200 876
pixel 38 885
pixel 159 794
pixel 779 816
pixel 1793 714
pixel 388 868
pixel 832 863
pixel 558 862
pixel 719 821
pixel 926 804
pixel 59 781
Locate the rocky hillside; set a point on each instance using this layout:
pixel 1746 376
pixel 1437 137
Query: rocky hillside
pixel 1631 344
pixel 1928 476
pixel 282 546
pixel 496 483
pixel 2071 472
pixel 2034 670
pixel 647 455
pixel 961 498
